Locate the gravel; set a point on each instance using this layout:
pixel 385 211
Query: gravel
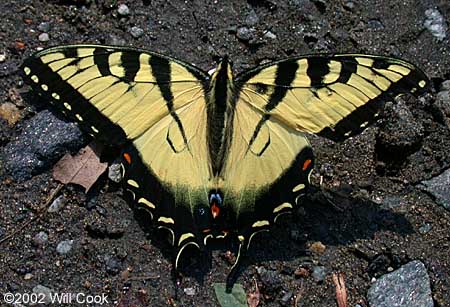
pixel 439 188
pixel 408 286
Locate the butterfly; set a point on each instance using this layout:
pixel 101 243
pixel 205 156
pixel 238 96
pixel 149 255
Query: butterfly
pixel 216 155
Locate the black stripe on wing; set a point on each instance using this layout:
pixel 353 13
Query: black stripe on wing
pixel 365 115
pixel 71 102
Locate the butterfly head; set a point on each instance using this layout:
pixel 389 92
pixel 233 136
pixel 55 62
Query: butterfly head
pixel 215 203
pixel 223 70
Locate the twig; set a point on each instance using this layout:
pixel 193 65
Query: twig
pixel 341 290
pixel 40 212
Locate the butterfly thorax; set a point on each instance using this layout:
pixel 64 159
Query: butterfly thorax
pixel 220 107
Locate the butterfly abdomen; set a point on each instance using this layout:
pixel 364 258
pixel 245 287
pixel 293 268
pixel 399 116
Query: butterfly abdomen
pixel 220 114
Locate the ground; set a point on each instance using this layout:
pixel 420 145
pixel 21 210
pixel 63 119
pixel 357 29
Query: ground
pixel 366 207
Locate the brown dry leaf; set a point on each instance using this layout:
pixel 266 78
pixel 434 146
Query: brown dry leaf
pixel 10 113
pixel 84 168
pixel 341 291
pixel 253 297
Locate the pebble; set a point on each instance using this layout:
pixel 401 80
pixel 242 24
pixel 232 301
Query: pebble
pixel 115 172
pixel 439 187
pixel 301 272
pixel 28 276
pixel 319 273
pixel 40 238
pixel 443 100
pixel 44 37
pixel 2 57
pixel 375 24
pixel 317 247
pixel 47 292
pixel 408 286
pixel 349 5
pixel 123 10
pixel 435 23
pixel 43 140
pixel 425 228
pixel 326 169
pixel 56 205
pixel 270 35
pixel 270 280
pixel 113 265
pixel 244 33
pixel 285 300
pixel 64 247
pixel 44 27
pixel 400 135
pixel 189 291
pixel 136 32
pixel 445 86
pixel 252 18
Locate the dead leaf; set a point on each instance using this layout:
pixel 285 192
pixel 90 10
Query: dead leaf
pixel 253 297
pixel 10 113
pixel 341 290
pixel 84 168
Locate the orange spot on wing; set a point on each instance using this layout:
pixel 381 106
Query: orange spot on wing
pixel 127 157
pixel 215 210
pixel 306 164
pixel 206 230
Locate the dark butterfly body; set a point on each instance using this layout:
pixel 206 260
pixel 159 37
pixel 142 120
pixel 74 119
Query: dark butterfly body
pixel 216 156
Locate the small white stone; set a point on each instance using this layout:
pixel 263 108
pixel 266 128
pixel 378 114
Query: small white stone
pixel 44 37
pixel 123 10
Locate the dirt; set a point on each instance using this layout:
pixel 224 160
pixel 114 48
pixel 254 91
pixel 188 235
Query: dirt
pixel 366 209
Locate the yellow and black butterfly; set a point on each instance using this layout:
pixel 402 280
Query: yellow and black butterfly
pixel 210 156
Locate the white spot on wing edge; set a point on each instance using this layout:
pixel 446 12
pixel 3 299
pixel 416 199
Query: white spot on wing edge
pixel 167 220
pixel 78 116
pixel 94 129
pixel 298 187
pixel 133 183
pixel 261 223
pixel 44 87
pixel 67 106
pixel 185 236
pixel 27 70
pixel 34 78
pixel 144 201
pixel 282 206
pixel 422 83
pixel 55 96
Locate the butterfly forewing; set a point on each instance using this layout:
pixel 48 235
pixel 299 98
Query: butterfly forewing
pixel 333 96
